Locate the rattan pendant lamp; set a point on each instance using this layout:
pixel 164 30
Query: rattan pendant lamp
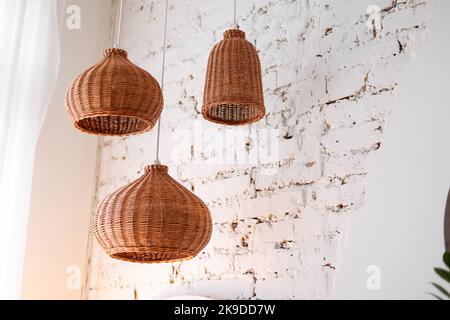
pixel 114 97
pixel 153 219
pixel 233 92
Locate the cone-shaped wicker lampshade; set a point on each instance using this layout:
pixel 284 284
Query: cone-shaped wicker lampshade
pixel 114 97
pixel 233 88
pixel 153 219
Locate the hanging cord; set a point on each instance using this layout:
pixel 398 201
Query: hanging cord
pixel 119 25
pixel 235 16
pixel 163 67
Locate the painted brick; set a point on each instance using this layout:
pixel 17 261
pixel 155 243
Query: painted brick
pixel 275 288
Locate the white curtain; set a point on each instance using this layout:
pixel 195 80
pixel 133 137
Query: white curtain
pixel 29 66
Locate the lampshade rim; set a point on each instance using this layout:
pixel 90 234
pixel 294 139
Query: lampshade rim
pixel 260 107
pixel 149 261
pixel 183 256
pixel 149 124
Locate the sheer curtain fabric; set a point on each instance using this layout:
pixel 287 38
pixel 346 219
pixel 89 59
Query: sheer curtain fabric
pixel 29 66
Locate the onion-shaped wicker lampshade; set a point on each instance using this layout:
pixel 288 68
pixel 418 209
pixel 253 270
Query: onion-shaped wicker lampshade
pixel 233 88
pixel 114 97
pixel 153 219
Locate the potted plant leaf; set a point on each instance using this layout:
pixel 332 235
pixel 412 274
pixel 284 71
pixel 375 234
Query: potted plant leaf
pixel 444 273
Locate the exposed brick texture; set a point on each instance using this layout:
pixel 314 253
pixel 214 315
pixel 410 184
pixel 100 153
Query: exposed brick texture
pixel 329 73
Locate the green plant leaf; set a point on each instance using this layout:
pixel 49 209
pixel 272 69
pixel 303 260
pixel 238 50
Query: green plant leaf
pixel 446 259
pixel 444 274
pixel 435 295
pixel 441 289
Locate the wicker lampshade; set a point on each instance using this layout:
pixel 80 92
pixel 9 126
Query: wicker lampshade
pixel 233 88
pixel 153 219
pixel 114 97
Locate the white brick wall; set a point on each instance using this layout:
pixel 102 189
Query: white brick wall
pixel 279 223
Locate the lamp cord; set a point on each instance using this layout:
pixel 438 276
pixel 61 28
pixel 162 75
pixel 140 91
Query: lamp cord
pixel 163 67
pixel 119 25
pixel 235 16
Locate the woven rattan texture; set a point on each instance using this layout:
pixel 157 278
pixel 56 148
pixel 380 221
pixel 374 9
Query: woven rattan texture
pixel 233 92
pixel 153 219
pixel 114 97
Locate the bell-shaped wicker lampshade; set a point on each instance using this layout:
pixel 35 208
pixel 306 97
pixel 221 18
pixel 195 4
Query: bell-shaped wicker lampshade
pixel 153 219
pixel 114 97
pixel 233 88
